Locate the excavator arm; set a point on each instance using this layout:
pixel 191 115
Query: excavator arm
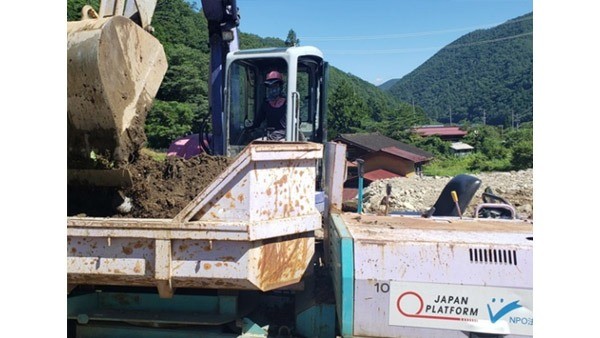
pixel 223 19
pixel 140 11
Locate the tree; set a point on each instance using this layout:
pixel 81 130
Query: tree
pixel 176 22
pixel 186 78
pixel 522 156
pixel 167 121
pixel 398 122
pixel 292 39
pixel 346 110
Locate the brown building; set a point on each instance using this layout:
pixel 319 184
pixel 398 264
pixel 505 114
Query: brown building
pixel 446 133
pixel 383 157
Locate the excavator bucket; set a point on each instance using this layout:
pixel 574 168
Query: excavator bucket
pixel 114 70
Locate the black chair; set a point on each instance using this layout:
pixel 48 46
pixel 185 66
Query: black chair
pixel 465 186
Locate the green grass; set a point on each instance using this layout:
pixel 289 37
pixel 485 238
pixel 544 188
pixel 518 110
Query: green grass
pixel 451 166
pixel 469 164
pixel 154 154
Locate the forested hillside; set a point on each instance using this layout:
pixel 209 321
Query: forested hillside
pixel 487 74
pixel 388 84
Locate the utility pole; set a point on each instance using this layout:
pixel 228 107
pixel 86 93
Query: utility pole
pixel 484 117
pixel 512 118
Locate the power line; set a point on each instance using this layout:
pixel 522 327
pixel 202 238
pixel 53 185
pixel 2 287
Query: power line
pixel 489 41
pixel 404 35
pixel 384 37
pixel 412 50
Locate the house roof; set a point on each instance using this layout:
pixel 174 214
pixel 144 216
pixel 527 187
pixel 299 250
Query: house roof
pixel 440 131
pixel 460 146
pixel 375 142
pixel 406 154
pixel 379 174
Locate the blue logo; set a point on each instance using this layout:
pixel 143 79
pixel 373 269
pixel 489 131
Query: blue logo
pixel 494 317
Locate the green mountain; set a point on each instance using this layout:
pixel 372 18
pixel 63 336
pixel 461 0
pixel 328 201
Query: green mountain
pixel 388 84
pixel 487 73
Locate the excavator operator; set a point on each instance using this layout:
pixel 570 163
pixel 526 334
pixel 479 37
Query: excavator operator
pixel 274 107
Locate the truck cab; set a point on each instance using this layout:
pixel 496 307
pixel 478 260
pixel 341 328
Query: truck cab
pixel 305 77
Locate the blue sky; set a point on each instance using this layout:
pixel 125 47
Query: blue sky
pixel 376 40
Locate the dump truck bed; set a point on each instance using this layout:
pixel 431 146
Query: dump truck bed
pixel 251 228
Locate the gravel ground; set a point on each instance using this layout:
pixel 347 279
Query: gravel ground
pixel 420 193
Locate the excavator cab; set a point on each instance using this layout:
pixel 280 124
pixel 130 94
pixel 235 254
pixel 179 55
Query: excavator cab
pixel 304 89
pixel 236 91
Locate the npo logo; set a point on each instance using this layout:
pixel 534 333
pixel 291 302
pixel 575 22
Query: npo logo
pixel 461 307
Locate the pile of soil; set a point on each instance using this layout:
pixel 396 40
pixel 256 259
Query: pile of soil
pixel 160 189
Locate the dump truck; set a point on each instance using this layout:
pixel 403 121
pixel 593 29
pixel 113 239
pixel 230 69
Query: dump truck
pixel 264 249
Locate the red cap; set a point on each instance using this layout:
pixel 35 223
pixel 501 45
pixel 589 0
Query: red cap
pixel 273 76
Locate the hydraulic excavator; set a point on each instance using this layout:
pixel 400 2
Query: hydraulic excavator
pixel 264 250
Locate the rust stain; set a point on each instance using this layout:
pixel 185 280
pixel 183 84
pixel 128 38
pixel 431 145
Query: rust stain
pixel 232 205
pixel 151 245
pixel 207 266
pixel 269 192
pixel 283 180
pixel 241 197
pixel 183 247
pixel 219 264
pixel 283 263
pixel 228 195
pixel 301 172
pixel 127 250
pixel 227 258
pixel 286 211
pixel 73 250
pixel 137 268
pixel 138 244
